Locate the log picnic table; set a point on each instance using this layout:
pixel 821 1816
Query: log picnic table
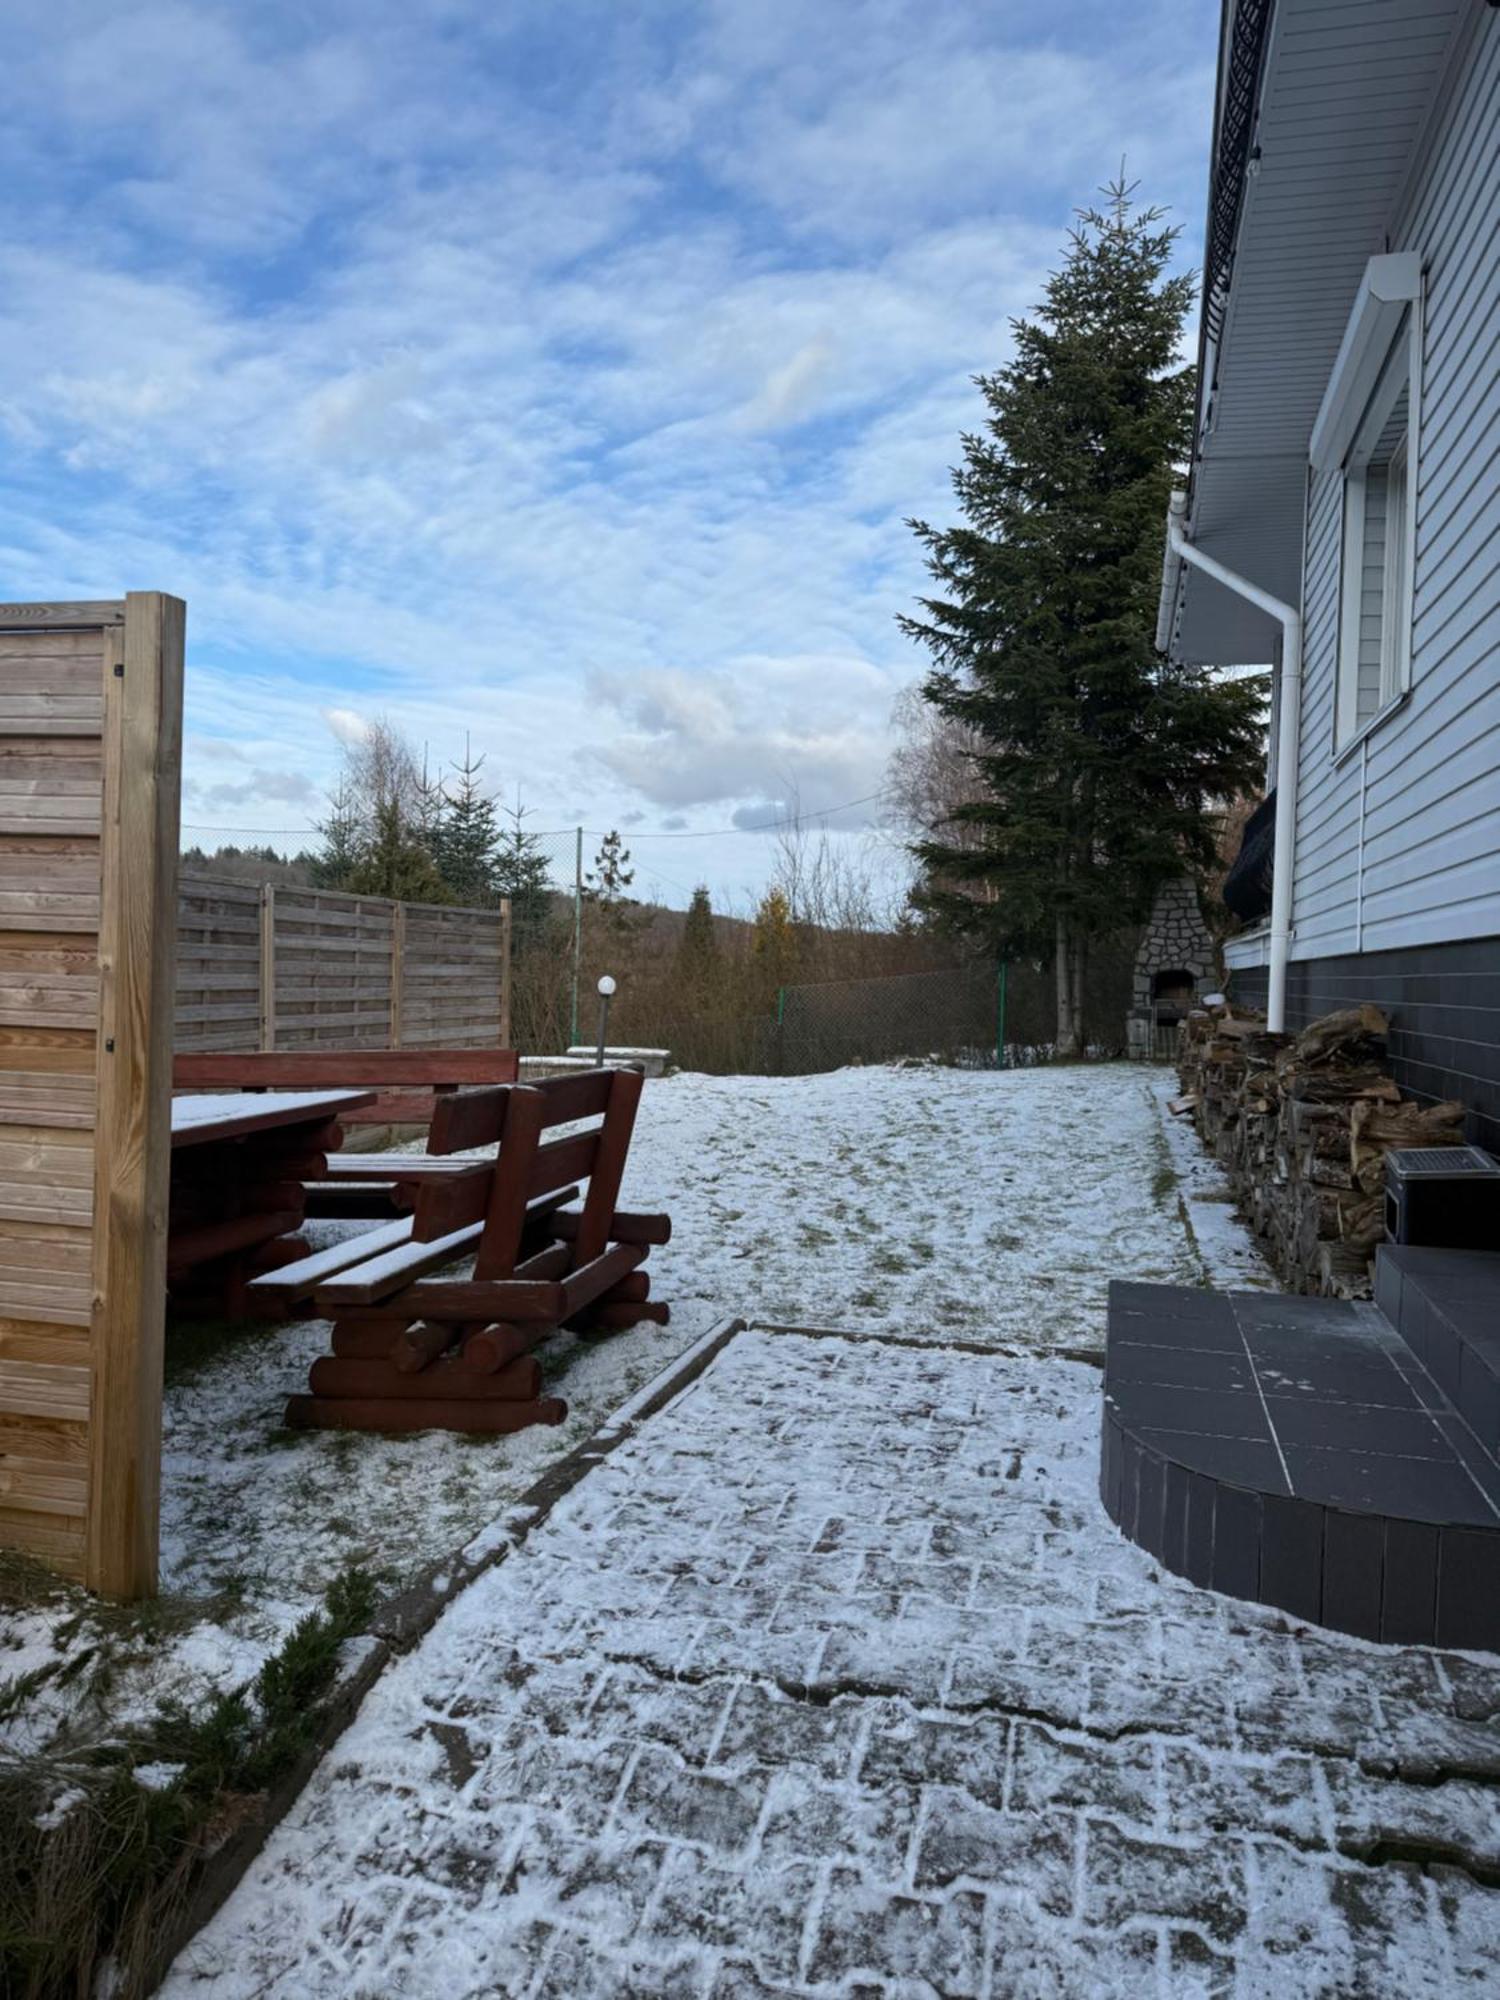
pixel 240 1164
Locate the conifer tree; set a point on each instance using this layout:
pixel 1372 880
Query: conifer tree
pixel 468 835
pixel 429 807
pixel 698 946
pixel 1102 764
pixel 521 871
pixel 335 859
pixel 607 885
pixel 395 863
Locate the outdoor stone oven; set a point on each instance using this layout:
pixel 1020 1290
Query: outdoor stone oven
pixel 1173 967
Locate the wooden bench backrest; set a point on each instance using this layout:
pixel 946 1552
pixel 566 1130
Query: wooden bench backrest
pixel 411 1082
pixel 516 1116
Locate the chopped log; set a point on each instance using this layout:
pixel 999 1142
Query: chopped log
pixel 1343 1272
pixel 590 1281
pixel 1353 1033
pixel 1301 1126
pixel 618 1318
pixel 630 1289
pixel 1178 1106
pixel 625 1227
pixel 1375 1128
pixel 492 1347
pixel 417 1347
pixel 218 1239
pixel 519 1382
pixel 364 1340
pixel 390 1414
pixel 467 1299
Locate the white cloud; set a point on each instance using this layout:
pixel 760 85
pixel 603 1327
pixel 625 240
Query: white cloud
pixel 349 727
pixel 565 376
pixel 809 729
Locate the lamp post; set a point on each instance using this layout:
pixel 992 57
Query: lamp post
pixel 606 993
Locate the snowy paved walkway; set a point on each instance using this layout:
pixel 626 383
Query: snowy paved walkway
pixel 835 1680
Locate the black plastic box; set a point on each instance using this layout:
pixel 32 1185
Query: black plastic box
pixel 1444 1196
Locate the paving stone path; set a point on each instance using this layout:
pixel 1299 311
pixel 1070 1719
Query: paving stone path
pixel 836 1680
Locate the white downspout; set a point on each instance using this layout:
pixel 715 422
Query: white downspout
pixel 1284 850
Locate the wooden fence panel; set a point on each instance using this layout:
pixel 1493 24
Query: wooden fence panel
pixel 310 968
pixel 333 970
pixel 90 738
pixel 451 986
pixel 218 965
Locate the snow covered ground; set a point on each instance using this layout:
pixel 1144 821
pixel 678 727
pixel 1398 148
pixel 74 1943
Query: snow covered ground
pixel 935 1204
pixel 836 1679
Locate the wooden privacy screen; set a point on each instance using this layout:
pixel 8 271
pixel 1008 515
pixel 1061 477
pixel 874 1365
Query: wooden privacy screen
pixel 276 967
pixel 90 748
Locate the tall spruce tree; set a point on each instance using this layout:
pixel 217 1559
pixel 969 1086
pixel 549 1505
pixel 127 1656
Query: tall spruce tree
pixel 522 873
pixel 1102 764
pixel 467 837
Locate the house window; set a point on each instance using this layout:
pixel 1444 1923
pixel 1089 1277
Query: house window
pixel 1379 530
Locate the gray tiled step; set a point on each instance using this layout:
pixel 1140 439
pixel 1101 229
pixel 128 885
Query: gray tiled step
pixel 1297 1452
pixel 1445 1304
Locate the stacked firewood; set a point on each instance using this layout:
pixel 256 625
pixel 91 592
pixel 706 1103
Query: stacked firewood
pixel 1301 1125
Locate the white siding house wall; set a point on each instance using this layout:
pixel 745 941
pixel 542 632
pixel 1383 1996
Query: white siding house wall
pixel 1398 842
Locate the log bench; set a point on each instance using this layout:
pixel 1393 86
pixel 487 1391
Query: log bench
pixel 414 1348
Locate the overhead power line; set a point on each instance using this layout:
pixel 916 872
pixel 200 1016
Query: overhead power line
pixel 809 818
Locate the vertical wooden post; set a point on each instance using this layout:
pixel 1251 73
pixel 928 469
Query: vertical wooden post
pixel 268 965
pixel 505 1041
pixel 137 951
pixel 398 970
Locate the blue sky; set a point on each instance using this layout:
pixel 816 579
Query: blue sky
pixel 559 373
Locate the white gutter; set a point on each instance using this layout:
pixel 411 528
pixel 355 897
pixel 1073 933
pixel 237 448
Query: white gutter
pixel 1181 550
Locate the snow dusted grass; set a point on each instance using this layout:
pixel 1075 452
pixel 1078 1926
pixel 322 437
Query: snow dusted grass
pixel 936 1204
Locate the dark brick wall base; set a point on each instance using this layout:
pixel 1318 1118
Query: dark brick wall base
pixel 1444 1007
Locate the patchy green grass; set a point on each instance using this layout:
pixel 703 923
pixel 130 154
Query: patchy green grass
pixel 810 1236
pixel 93 1859
pixel 889 1261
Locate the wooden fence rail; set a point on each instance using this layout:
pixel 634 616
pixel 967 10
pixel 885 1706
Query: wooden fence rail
pixel 266 967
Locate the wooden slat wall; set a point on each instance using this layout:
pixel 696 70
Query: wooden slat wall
pixel 218 965
pixel 451 988
pixel 90 702
pixel 334 960
pixel 333 970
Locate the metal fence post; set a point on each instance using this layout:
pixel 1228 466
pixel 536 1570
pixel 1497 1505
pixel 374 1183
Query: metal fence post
pixel 1000 1016
pixel 577 933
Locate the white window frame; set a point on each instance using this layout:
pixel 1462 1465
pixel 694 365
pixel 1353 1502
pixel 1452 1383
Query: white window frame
pixel 1398 374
